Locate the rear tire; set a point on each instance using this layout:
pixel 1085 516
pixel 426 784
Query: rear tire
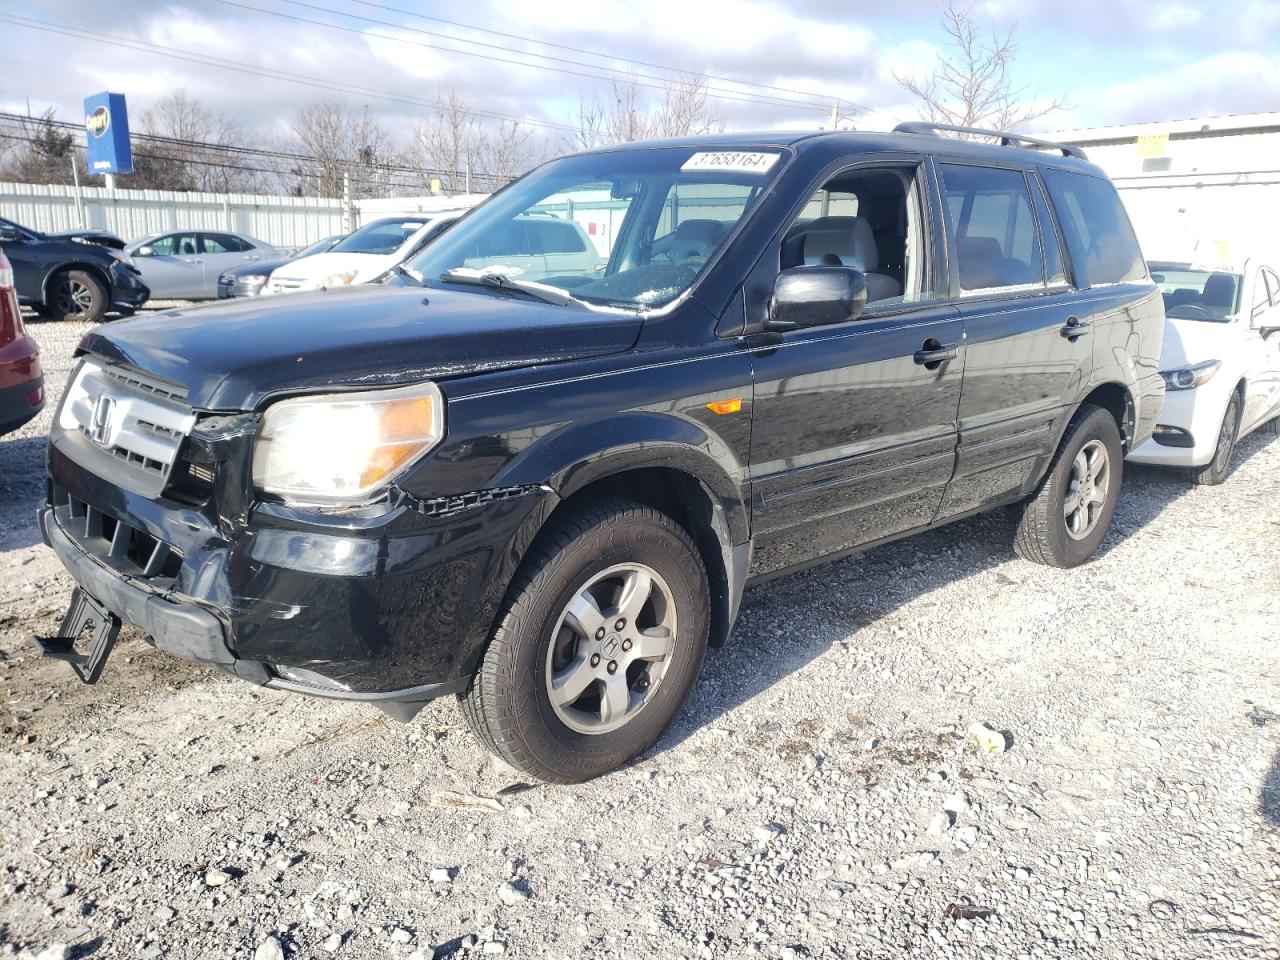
pixel 77 295
pixel 1068 518
pixel 565 694
pixel 1217 469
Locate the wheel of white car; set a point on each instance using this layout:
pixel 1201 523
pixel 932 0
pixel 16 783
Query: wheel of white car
pixel 1216 470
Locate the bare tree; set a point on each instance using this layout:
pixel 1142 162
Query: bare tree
pixel 455 145
pixel 683 109
pixel 41 150
pixel 341 144
pixel 971 84
pixel 197 158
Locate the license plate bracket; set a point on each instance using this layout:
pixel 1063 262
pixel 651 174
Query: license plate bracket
pixel 84 614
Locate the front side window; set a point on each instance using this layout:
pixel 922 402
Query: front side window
pixel 871 220
pixel 1096 227
pixel 379 237
pixel 997 246
pixel 626 228
pixel 1197 293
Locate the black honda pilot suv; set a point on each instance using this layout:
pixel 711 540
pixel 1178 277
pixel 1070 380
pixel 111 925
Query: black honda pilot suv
pixel 540 479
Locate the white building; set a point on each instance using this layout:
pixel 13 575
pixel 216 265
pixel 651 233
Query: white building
pixel 1183 181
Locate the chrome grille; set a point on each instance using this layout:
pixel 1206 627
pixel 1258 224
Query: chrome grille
pixel 133 418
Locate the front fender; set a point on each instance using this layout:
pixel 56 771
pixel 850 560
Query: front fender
pixel 578 454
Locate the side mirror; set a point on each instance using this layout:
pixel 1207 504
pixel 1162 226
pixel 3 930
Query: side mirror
pixel 9 234
pixel 145 252
pixel 814 296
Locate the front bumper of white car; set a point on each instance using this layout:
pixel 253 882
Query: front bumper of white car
pixel 1188 427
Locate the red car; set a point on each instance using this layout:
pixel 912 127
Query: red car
pixel 21 380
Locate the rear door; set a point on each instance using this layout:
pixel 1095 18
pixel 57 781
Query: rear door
pixel 223 251
pixel 1024 366
pixel 854 424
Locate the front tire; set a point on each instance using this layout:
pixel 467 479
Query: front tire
pixel 1216 470
pixel 600 641
pixel 1066 521
pixel 77 295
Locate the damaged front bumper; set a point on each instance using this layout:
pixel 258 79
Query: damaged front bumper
pixel 391 609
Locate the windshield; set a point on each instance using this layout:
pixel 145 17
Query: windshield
pixel 320 246
pixel 381 236
pixel 1197 293
pixel 627 228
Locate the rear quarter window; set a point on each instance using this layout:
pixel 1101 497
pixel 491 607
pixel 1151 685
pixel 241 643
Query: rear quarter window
pixel 1096 228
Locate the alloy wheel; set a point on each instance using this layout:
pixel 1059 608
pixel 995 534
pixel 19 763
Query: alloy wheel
pixel 1087 490
pixel 611 647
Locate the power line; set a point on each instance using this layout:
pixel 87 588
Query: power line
pixel 239 66
pixel 395 174
pixel 719 93
pixel 593 53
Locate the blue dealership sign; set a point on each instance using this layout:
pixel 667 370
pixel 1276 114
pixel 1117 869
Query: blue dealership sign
pixel 106 126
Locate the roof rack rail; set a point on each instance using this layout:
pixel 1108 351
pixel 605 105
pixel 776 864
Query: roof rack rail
pixel 1006 139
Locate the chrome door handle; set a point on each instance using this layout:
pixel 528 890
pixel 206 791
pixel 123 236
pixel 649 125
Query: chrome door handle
pixel 932 353
pixel 1074 327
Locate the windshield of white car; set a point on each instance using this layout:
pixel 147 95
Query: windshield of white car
pixel 1197 293
pixel 381 236
pixel 320 246
pixel 631 228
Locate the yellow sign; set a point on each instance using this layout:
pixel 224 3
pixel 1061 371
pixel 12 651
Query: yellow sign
pixel 1153 144
pixel 435 184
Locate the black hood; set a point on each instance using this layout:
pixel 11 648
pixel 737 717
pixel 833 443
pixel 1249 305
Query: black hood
pixel 102 238
pixel 233 355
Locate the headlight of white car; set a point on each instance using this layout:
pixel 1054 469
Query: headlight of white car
pixel 343 448
pixel 344 279
pixel 1188 378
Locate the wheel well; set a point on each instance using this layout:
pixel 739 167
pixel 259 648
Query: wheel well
pixel 682 497
pixel 1116 399
pixel 91 268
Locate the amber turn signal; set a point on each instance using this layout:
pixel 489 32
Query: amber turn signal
pixel 721 407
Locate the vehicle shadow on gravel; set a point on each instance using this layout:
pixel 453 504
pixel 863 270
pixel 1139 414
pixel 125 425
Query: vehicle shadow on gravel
pixel 21 488
pixel 1269 805
pixel 789 622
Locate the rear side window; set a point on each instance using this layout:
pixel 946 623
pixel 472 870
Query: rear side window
pixel 1096 227
pixel 223 243
pixel 996 242
pixel 556 236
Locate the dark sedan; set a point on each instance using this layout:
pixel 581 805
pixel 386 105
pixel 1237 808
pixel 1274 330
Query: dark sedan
pixel 72 276
pixel 248 281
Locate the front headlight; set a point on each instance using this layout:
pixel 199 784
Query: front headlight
pixel 344 279
pixel 343 448
pixel 123 258
pixel 1188 378
pixel 251 279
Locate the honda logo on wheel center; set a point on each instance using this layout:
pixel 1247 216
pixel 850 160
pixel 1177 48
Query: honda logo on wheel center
pixel 609 647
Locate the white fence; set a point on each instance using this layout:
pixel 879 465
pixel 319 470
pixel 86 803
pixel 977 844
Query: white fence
pixel 281 221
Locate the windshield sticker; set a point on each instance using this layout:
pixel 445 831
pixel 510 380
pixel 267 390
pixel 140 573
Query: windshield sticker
pixel 730 161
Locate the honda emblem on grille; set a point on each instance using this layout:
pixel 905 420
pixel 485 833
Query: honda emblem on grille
pixel 103 411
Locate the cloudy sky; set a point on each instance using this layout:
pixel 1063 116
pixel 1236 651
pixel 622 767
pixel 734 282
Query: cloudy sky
pixel 1114 61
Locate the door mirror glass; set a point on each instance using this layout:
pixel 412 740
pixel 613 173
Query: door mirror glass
pixel 811 296
pixel 145 251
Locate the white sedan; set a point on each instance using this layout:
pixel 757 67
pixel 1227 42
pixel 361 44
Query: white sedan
pixel 1220 363
pixel 362 255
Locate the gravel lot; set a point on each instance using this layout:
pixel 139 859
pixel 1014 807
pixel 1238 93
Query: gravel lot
pixel 822 796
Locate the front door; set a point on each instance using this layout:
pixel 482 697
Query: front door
pixel 854 424
pixel 175 269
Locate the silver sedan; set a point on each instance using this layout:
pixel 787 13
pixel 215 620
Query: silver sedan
pixel 186 264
